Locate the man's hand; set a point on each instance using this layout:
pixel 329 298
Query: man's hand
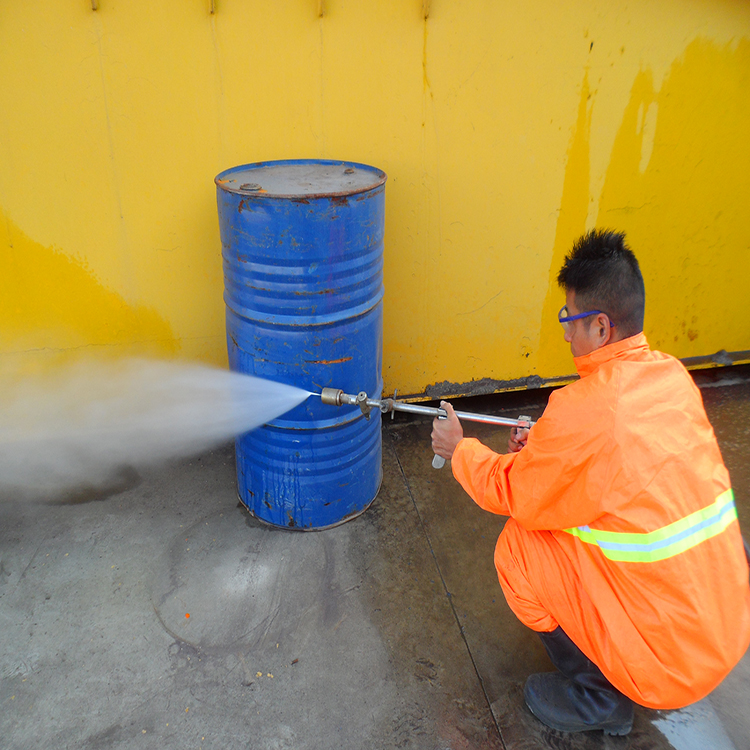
pixel 446 433
pixel 518 438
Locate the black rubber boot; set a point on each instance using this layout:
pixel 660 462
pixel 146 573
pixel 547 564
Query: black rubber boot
pixel 581 699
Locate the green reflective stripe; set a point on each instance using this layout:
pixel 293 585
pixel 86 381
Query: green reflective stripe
pixel 666 542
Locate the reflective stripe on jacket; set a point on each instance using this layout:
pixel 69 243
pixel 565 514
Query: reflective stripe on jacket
pixel 665 542
pixel 624 525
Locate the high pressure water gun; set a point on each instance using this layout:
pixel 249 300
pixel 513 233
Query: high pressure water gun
pixel 336 397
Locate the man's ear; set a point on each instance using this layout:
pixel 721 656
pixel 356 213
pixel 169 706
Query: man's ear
pixel 604 330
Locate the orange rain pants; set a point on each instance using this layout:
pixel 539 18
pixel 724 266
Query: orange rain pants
pixel 622 526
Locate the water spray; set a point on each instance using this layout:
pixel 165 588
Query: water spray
pixel 79 425
pixel 337 397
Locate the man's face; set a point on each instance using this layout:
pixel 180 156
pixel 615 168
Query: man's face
pixel 583 335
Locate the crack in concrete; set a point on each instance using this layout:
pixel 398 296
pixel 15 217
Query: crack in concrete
pixel 448 594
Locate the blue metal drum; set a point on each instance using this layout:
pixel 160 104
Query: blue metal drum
pixel 302 244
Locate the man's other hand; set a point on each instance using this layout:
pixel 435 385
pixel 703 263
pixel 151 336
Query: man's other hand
pixel 446 433
pixel 518 438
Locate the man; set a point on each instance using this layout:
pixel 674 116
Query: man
pixel 622 550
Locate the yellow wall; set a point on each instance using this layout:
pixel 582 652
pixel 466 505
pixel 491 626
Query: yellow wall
pixel 506 130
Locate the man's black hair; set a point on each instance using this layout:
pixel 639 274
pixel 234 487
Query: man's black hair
pixel 603 273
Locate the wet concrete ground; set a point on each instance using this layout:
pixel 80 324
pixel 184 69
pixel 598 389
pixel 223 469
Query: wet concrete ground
pixel 389 631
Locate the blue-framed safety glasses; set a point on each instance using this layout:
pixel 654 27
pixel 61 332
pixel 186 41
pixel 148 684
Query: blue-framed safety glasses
pixel 565 318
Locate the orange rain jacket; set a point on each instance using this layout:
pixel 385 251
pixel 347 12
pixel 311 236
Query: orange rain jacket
pixel 623 528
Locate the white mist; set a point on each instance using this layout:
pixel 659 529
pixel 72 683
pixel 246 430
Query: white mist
pixel 88 421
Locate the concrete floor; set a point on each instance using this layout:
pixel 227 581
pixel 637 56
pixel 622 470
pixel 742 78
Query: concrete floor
pixel 389 631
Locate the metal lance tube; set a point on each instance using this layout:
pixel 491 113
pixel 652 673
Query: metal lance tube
pixel 336 397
